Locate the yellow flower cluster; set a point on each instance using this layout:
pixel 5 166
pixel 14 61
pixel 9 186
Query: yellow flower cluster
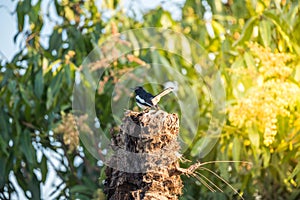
pixel 272 65
pixel 68 128
pixel 69 131
pixel 274 96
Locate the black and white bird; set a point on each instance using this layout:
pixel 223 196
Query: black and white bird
pixel 146 100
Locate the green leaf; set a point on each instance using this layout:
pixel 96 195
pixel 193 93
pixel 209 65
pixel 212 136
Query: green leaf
pixel 68 74
pixel 249 61
pixel 49 98
pixel 34 187
pixel 236 150
pixel 4 125
pixel 56 83
pixel 265 32
pixel 39 84
pixel 34 16
pixel 247 31
pixel 296 171
pixel 12 85
pixel 281 26
pixel 166 20
pixel 26 6
pixel 26 146
pixel 44 168
pixel 80 189
pixel 3 147
pixel 27 112
pixel 197 147
pixel 253 136
pixel 218 27
pixel 297 73
pixel 266 157
pixel 3 174
pixel 21 180
pixel 58 7
pixel 25 94
pixel 223 167
pixel 237 63
pixel 20 16
pixel 203 146
pixel 55 40
pixel 53 89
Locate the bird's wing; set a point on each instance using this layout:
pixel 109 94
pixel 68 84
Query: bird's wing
pixel 156 98
pixel 142 101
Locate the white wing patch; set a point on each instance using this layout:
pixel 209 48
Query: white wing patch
pixel 139 99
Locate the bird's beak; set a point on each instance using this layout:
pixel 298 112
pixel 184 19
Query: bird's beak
pixel 132 89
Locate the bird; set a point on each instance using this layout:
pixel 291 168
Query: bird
pixel 146 100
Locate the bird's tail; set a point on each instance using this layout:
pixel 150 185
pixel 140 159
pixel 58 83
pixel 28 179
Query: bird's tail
pixel 156 98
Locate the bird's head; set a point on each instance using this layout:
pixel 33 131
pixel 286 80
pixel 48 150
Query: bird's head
pixel 138 89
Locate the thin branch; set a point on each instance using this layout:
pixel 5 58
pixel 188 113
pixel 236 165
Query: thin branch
pixel 204 183
pixel 226 161
pixel 198 173
pixel 222 179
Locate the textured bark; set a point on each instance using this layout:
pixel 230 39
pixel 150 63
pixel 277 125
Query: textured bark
pixel 145 162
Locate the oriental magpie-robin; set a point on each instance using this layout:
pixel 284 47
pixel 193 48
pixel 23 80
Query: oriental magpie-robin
pixel 146 100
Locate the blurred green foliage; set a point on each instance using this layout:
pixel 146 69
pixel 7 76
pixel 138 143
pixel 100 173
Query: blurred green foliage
pixel 36 89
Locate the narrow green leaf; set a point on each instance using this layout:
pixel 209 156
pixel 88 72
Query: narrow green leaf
pixel 237 63
pixel 21 180
pixel 4 125
pixel 56 84
pixel 247 31
pixel 49 98
pixel 297 73
pixel 20 16
pixel 134 40
pixel 254 136
pixel 282 27
pixel 25 95
pixel 12 85
pixel 80 189
pixel 44 168
pixel 26 146
pixel 3 173
pixel 34 186
pixel 53 89
pixel 27 112
pixel 68 75
pixel 203 146
pixel 224 166
pixel 39 84
pixel 236 151
pixel 249 61
pixel 197 147
pixel 218 27
pixel 55 40
pixel 3 147
pixel 265 32
pixel 26 6
pixel 266 157
pixel 58 7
